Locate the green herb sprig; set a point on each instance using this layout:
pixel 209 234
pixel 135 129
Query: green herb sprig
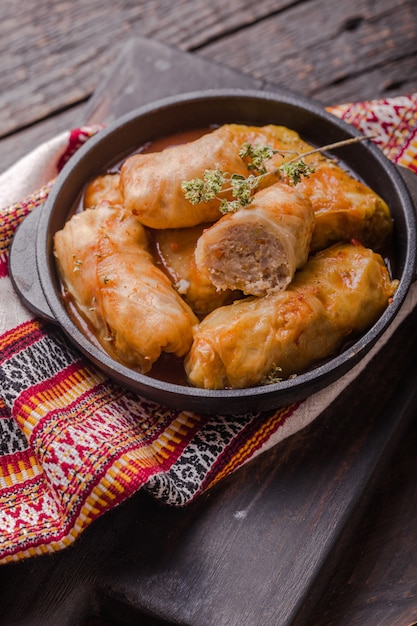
pixel 215 181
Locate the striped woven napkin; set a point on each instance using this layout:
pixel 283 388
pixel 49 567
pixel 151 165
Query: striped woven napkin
pixel 73 444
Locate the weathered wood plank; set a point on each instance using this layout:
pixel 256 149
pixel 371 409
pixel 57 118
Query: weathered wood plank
pixel 191 24
pixel 17 145
pixel 319 48
pixel 376 584
pixel 224 559
pixel 393 79
pixel 71 42
pixel 189 554
pixel 345 53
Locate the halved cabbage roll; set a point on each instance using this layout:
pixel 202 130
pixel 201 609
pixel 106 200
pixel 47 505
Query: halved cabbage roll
pixel 176 249
pixel 258 248
pixel 151 182
pixel 340 291
pixel 103 189
pixel 129 303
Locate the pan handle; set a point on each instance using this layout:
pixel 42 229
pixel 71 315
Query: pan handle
pixel 23 269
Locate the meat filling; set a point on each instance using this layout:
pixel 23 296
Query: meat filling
pixel 249 259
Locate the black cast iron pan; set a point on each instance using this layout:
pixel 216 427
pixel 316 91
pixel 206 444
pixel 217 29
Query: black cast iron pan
pixel 36 279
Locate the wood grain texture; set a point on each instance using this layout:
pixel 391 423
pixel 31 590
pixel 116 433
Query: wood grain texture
pixel 220 560
pixel 70 43
pixel 15 146
pixel 340 59
pixel 53 53
pixel 376 584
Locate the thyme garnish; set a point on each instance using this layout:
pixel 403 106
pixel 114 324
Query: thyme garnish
pixel 215 181
pixel 274 375
pixel 77 264
pixel 257 155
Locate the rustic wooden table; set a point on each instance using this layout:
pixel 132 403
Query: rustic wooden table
pixel 144 564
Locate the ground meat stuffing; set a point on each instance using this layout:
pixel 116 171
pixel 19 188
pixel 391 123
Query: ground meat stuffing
pixel 253 263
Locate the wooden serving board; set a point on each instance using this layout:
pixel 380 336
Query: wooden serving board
pixel 261 546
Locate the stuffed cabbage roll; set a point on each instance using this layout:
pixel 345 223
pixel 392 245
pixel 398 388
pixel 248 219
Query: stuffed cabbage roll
pixel 340 291
pixel 103 189
pixel 176 249
pixel 151 182
pixel 258 248
pixel 344 208
pixel 129 303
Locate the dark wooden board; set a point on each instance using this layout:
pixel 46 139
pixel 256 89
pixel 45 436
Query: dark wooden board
pixel 72 43
pixel 375 583
pixel 261 547
pixel 16 146
pixel 52 57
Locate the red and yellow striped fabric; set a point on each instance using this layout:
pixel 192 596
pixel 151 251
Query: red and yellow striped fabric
pixel 74 445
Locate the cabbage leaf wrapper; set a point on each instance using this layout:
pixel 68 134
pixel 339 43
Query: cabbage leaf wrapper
pixel 176 249
pixel 104 189
pixel 151 183
pixel 345 208
pixel 110 277
pixel 339 292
